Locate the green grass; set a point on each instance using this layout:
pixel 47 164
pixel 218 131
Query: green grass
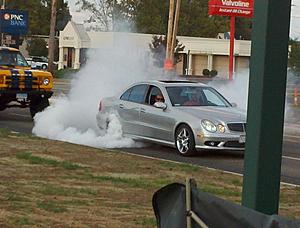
pixel 61 191
pixel 130 182
pixel 21 221
pixel 64 73
pixel 4 132
pixel 181 167
pixel 12 196
pixel 146 221
pixel 215 190
pixel 51 207
pixel 237 182
pixel 46 161
pixel 74 202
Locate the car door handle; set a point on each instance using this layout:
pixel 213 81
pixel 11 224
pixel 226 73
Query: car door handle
pixel 143 110
pixel 121 106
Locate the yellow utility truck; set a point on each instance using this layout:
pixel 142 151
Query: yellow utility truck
pixel 21 86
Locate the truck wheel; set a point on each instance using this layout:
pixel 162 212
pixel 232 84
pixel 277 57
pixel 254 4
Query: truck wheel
pixel 38 105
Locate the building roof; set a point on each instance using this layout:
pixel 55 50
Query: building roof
pixel 81 32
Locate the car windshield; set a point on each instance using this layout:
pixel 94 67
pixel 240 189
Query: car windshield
pixel 12 58
pixel 196 96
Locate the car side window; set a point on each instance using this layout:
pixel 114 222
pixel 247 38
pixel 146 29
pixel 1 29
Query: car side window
pixel 138 93
pixel 153 92
pixel 125 96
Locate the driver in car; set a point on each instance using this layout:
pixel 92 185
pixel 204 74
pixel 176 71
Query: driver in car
pixel 159 98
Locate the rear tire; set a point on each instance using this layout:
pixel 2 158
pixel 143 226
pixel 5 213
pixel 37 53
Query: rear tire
pixel 185 141
pixel 38 105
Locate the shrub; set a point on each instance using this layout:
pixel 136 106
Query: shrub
pixel 205 72
pixel 213 73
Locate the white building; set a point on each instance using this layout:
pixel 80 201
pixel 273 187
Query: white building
pixel 199 53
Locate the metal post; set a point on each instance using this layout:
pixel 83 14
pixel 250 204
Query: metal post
pixel 188 202
pixel 169 35
pixel 267 86
pixel 189 212
pixel 231 51
pixel 52 36
pixel 175 28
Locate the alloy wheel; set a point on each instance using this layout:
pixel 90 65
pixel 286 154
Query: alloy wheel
pixel 183 141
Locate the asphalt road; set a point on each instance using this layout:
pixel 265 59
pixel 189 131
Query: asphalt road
pixel 19 120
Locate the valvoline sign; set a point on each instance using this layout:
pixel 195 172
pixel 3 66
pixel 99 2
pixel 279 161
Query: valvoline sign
pixel 237 8
pixel 14 22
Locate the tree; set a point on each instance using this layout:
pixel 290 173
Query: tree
pixel 158 50
pixel 151 17
pixel 63 15
pixel 243 27
pixel 108 15
pixel 37 47
pixel 39 14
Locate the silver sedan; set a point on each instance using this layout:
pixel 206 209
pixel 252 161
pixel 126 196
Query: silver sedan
pixel 189 116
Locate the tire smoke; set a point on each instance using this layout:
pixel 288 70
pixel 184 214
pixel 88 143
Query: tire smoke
pixel 72 118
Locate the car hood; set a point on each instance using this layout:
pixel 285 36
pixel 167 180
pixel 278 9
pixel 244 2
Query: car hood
pixel 218 114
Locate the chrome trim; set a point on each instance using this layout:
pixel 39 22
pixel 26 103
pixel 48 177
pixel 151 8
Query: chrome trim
pixel 218 148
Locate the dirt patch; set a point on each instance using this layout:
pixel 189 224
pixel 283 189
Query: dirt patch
pixel 50 183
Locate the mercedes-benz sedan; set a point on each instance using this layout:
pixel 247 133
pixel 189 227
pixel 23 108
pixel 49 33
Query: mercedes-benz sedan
pixel 189 116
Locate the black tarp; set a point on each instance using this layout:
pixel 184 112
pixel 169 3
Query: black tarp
pixel 170 211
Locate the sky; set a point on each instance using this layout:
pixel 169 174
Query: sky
pixel 295 17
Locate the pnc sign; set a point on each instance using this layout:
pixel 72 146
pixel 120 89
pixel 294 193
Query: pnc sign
pixel 232 8
pixel 13 22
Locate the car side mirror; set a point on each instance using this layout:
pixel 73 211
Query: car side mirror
pixel 160 105
pixel 234 104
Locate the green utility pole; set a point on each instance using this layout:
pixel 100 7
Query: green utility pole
pixel 267 86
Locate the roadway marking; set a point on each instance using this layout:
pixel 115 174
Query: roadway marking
pixel 200 166
pixel 292 158
pixel 292 136
pixel 17 114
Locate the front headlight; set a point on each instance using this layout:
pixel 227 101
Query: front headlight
pixel 46 81
pixel 209 126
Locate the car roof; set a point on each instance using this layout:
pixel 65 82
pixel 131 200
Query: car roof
pixel 166 83
pixel 8 49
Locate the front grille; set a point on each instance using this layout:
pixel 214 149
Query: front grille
pixel 234 144
pixel 21 81
pixel 238 127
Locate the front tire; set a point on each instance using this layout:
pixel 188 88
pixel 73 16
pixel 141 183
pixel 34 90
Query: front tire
pixel 38 105
pixel 185 141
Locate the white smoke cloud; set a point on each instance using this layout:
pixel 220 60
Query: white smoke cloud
pixel 72 118
pixel 236 90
